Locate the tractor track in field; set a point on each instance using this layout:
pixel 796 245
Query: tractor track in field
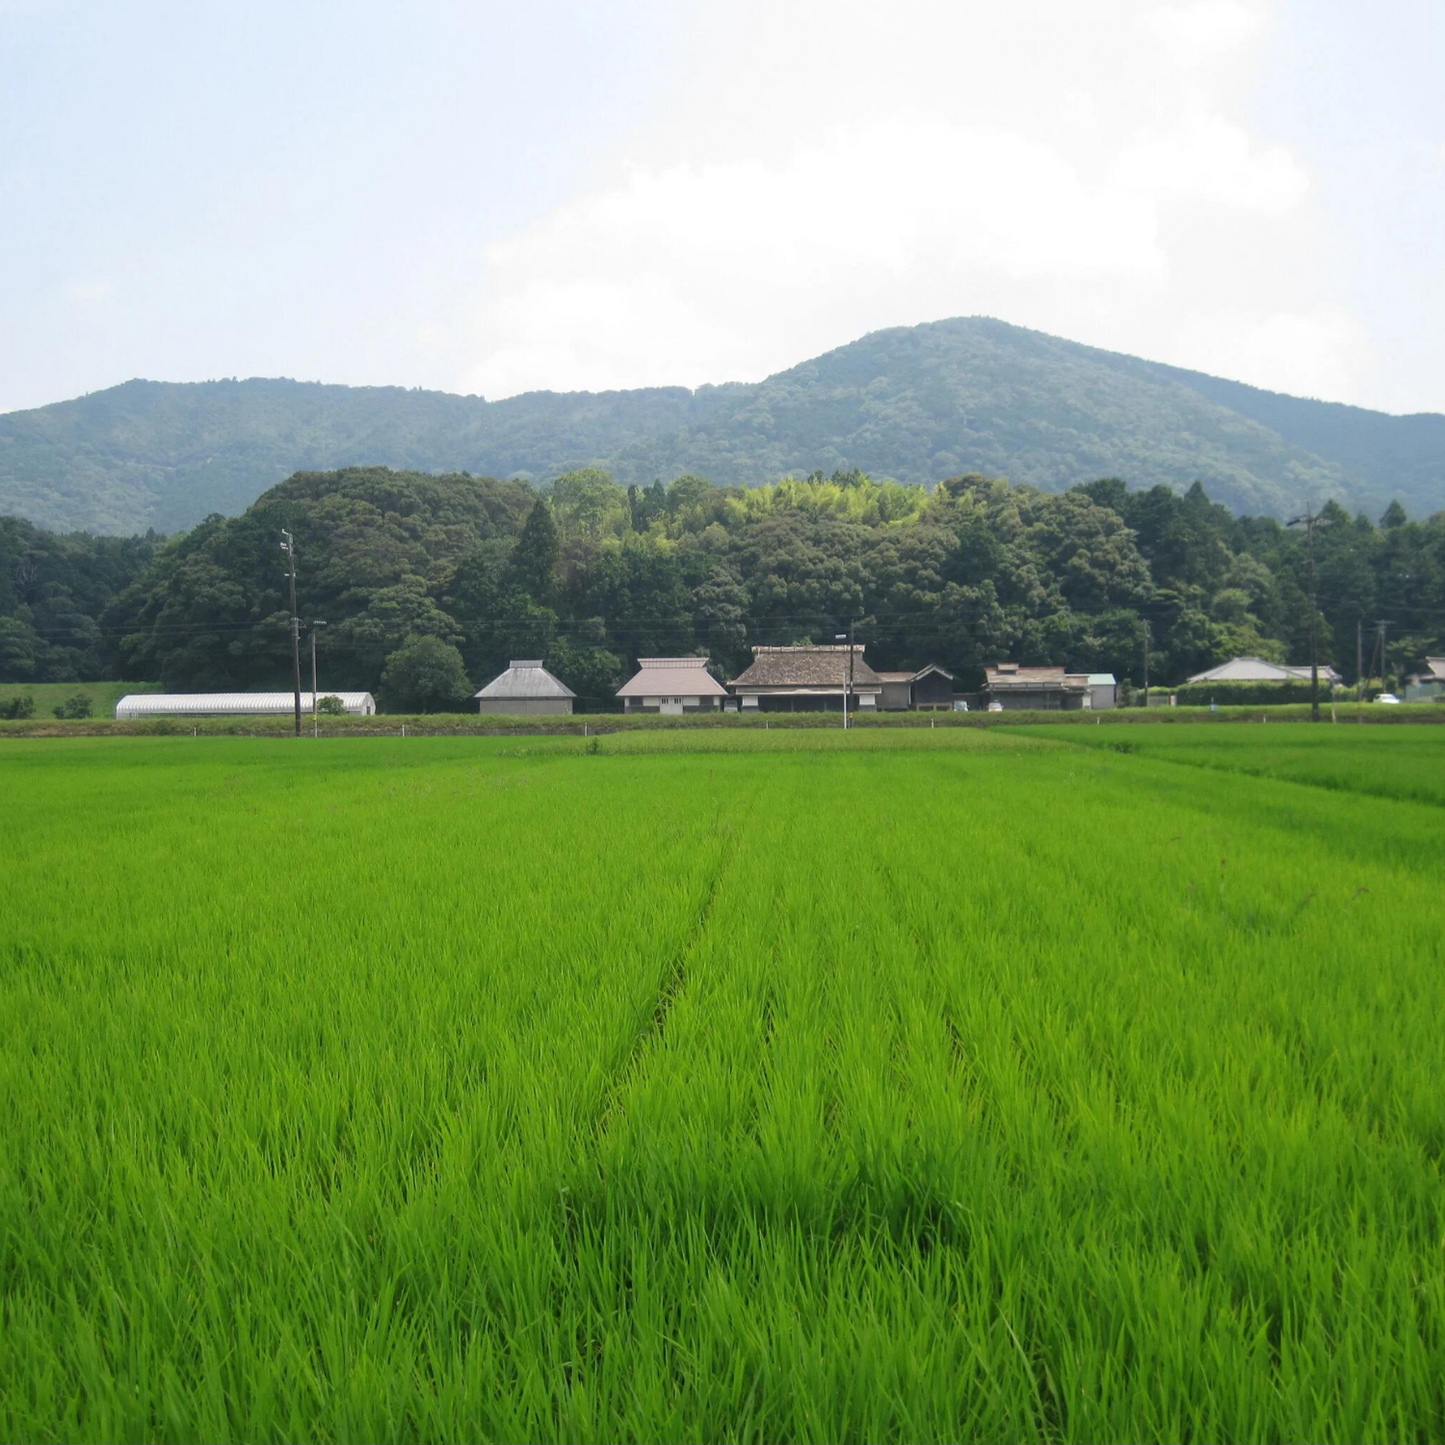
pixel 671 987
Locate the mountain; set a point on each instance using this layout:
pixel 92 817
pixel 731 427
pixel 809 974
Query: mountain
pixel 914 403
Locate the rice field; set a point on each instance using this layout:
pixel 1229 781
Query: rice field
pixel 950 1085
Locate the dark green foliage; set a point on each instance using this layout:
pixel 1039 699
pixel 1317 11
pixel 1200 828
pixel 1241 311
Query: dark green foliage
pixel 976 571
pixel 77 706
pixel 12 709
pixel 1246 694
pixel 330 706
pixel 425 674
pixel 917 403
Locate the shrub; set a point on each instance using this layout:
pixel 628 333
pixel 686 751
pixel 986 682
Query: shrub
pixel 14 708
pixel 76 706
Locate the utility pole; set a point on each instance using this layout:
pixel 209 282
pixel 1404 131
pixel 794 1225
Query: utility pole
pixel 315 707
pixel 1146 662
pixel 848 685
pixel 289 547
pixel 1310 522
pixel 1382 628
pixel 1359 667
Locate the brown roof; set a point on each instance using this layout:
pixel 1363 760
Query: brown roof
pixel 1009 676
pixel 674 676
pixel 825 667
pixel 895 676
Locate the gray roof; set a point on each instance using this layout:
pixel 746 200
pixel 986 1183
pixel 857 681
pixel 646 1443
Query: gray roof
pixel 525 680
pixel 1256 669
pixel 677 676
pixel 1101 679
pixel 825 667
pixel 1436 666
pixel 1010 677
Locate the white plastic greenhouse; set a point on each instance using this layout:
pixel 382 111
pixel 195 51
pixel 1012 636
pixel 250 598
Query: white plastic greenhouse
pixel 231 704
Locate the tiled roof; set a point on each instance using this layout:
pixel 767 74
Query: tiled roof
pixel 806 667
pixel 1009 676
pixel 674 676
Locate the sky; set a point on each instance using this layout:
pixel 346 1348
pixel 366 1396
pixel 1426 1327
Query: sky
pixel 496 198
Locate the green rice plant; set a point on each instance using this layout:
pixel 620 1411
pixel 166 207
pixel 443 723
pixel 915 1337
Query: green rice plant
pixel 717 1086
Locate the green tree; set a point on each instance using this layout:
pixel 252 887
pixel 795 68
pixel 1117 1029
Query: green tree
pixel 532 567
pixel 425 674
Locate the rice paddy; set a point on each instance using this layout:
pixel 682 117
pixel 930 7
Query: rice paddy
pixel 725 1086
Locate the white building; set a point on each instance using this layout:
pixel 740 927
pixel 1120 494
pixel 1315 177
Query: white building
pixel 233 704
pixel 1103 690
pixel 672 685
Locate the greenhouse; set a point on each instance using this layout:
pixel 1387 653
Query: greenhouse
pixel 232 704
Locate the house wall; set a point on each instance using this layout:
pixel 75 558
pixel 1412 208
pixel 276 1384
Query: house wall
pixel 655 704
pixel 1041 701
pixel 896 697
pixel 1103 694
pixel 525 706
pixel 935 690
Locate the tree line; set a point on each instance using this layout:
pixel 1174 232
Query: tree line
pixel 429 585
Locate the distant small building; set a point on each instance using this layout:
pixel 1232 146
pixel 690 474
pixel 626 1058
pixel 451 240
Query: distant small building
pixel 233 704
pixel 928 688
pixel 1044 689
pixel 525 689
pixel 1428 685
pixel 807 679
pixel 1256 669
pixel 1103 690
pixel 672 685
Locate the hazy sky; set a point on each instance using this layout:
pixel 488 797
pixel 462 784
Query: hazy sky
pixel 495 198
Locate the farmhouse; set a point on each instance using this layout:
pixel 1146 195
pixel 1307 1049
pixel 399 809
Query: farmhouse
pixel 1048 689
pixel 929 688
pixel 232 704
pixel 525 688
pixel 1256 669
pixel 1427 685
pixel 807 679
pixel 1103 690
pixel 672 685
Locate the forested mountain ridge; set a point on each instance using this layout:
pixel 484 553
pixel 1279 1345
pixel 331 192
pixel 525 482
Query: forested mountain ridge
pixel 914 403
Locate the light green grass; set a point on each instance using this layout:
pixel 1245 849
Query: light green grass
pixel 1344 758
pixel 495 1089
pixel 49 695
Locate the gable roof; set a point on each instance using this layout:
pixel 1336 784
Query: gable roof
pixel 913 676
pixel 825 667
pixel 525 680
pixel 679 676
pixel 1436 666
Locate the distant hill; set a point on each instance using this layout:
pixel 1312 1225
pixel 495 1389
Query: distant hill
pixel 915 403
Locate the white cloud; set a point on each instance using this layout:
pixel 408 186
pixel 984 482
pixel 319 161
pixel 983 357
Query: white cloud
pixel 1321 354
pixel 1213 160
pixel 88 290
pixel 1079 169
pixel 736 268
pixel 1201 32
